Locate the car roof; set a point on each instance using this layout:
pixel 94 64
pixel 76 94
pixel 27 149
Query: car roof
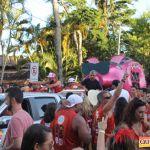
pixel 38 94
pixel 34 94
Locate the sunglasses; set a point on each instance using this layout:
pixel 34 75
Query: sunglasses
pixel 108 97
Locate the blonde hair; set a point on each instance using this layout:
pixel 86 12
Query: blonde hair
pixel 86 107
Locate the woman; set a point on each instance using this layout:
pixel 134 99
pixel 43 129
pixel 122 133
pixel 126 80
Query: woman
pixel 134 93
pixel 37 137
pixel 123 139
pixel 134 117
pixel 49 113
pixel 119 110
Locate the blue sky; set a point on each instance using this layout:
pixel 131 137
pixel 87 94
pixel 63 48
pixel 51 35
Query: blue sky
pixel 41 9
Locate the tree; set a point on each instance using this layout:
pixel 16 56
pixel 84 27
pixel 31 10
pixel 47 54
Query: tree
pixel 58 38
pixel 137 41
pixel 12 19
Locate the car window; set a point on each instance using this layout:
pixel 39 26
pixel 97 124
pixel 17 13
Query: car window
pixel 37 103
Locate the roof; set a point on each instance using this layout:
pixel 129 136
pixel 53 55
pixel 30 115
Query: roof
pixel 10 61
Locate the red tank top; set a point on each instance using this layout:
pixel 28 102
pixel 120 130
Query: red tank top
pixel 57 89
pixel 97 116
pixel 65 138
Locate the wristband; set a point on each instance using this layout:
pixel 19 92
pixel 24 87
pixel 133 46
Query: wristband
pixel 101 131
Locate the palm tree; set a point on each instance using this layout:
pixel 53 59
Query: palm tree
pixel 58 38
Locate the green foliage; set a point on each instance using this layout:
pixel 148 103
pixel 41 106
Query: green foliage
pixel 99 28
pixel 137 41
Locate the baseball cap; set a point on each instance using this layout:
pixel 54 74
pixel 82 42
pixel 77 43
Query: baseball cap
pixel 73 100
pixel 51 75
pixel 70 80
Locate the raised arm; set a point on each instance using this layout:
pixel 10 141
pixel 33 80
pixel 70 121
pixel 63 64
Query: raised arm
pixel 114 98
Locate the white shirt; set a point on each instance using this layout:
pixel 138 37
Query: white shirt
pixel 124 93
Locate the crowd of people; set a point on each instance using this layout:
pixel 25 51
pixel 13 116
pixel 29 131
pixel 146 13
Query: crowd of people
pixel 102 119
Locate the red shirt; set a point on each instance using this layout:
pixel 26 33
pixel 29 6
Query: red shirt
pixel 148 112
pixel 65 138
pixel 97 116
pixel 57 88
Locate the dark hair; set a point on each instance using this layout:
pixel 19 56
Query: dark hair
pixel 126 144
pixel 122 52
pixel 144 90
pixel 50 112
pixel 119 109
pixel 15 92
pixel 34 134
pixel 115 82
pixel 2 88
pixel 129 114
pixel 68 94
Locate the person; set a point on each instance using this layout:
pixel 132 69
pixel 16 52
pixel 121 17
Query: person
pixel 19 122
pixel 143 94
pixel 133 118
pixel 1 89
pixel 91 82
pixel 119 110
pixel 123 139
pixel 124 93
pixel 104 107
pixel 134 92
pixel 72 84
pixel 37 137
pixel 54 84
pixel 69 127
pixel 148 105
pixel 49 113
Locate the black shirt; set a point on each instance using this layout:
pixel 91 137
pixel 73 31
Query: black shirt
pixel 91 84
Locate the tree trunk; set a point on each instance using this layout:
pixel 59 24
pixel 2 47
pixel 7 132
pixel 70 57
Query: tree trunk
pixel 80 47
pixel 58 39
pixel 78 42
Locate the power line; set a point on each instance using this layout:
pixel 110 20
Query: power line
pixel 31 14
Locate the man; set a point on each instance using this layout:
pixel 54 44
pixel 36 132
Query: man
pixel 103 108
pixel 124 93
pixel 91 83
pixel 69 127
pixel 54 84
pixel 73 85
pixel 19 122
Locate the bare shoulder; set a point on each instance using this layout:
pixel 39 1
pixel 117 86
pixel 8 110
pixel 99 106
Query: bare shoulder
pixel 78 121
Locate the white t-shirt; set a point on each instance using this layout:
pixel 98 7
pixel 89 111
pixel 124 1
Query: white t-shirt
pixel 124 93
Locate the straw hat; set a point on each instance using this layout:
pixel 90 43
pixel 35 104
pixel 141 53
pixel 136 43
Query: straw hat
pixel 92 95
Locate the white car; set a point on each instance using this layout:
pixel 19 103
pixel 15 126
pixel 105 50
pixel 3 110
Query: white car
pixel 32 103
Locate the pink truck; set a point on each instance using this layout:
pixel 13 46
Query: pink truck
pixel 107 71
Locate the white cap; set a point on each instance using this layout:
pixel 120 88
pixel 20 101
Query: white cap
pixel 92 95
pixel 70 80
pixel 73 100
pixel 51 75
